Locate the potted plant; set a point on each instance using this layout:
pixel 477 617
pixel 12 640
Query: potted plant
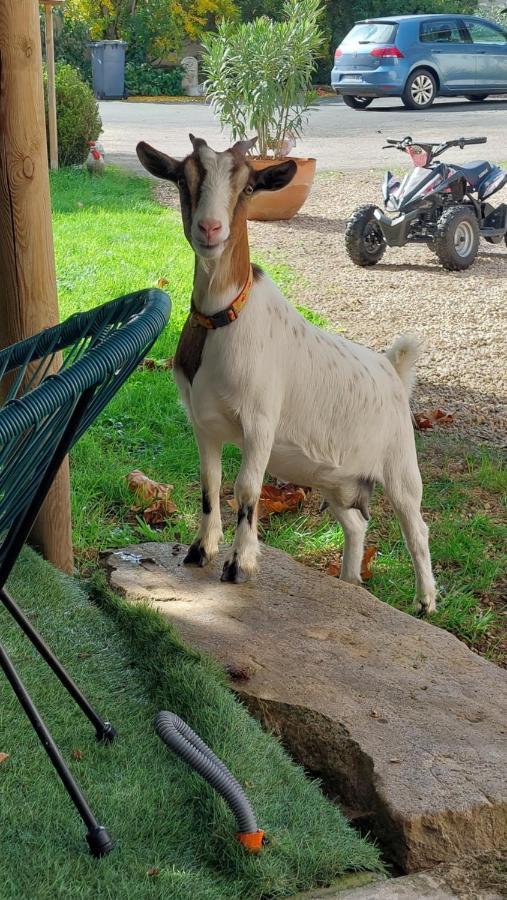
pixel 258 80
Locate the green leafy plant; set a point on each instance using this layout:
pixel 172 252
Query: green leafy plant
pixel 259 74
pixel 149 81
pixel 77 115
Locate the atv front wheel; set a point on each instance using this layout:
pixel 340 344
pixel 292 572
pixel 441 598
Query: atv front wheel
pixel 364 241
pixel 356 102
pixel 457 238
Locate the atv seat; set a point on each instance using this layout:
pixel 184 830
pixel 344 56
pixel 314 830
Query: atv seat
pixel 475 171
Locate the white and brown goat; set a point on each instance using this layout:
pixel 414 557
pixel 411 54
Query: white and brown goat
pixel 307 406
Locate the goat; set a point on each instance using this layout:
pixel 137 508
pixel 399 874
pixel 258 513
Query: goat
pixel 307 406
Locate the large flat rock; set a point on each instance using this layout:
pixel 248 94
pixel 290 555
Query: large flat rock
pixel 405 725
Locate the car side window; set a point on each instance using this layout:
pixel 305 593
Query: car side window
pixel 440 31
pixel 481 33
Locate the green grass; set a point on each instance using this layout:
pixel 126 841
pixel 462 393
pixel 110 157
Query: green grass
pixel 161 815
pixel 112 238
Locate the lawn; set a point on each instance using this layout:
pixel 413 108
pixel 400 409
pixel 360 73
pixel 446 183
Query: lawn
pixel 111 237
pixel 174 836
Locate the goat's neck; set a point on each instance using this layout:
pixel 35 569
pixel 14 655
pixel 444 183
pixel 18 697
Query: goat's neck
pixel 218 281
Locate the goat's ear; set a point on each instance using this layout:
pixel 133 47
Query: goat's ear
pixel 275 177
pixel 157 163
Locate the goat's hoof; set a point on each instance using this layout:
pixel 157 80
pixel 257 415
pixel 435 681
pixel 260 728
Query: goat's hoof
pixel 196 555
pixel 425 606
pixel 232 572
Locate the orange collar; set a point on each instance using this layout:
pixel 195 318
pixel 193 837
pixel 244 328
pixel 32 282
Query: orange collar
pixel 228 315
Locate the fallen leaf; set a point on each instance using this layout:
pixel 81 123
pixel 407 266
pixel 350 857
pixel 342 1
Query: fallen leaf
pixel 145 488
pixel 334 568
pixel 277 499
pixel 4 757
pixel 159 511
pixel 77 754
pixel 425 420
pixel 161 283
pixel 84 654
pixel 368 557
pixel 153 872
pixel 237 673
pixel 149 363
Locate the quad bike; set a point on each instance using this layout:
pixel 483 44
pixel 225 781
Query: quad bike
pixel 443 206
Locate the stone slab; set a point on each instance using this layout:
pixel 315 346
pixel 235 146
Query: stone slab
pixel 405 725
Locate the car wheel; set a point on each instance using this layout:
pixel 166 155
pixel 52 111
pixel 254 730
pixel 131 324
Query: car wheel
pixel 420 90
pixel 476 98
pixel 356 102
pixel 457 238
pixel 364 241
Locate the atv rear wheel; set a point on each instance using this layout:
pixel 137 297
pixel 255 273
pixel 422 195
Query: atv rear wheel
pixel 457 238
pixel 356 102
pixel 364 241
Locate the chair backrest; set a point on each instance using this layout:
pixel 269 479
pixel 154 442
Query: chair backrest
pixel 41 409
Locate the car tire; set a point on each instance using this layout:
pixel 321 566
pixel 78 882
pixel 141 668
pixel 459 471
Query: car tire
pixel 476 98
pixel 356 102
pixel 420 90
pixel 364 241
pixel 457 238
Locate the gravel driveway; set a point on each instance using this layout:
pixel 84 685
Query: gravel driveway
pixel 460 316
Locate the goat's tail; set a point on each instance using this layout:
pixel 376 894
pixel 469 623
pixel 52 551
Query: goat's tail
pixel 403 355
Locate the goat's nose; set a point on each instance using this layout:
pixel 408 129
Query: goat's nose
pixel 209 227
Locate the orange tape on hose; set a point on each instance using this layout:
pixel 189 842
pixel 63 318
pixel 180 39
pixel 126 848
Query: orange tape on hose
pixel 251 840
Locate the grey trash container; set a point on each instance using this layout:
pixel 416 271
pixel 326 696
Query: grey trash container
pixel 108 69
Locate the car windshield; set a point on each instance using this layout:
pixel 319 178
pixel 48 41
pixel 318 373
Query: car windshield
pixel 371 33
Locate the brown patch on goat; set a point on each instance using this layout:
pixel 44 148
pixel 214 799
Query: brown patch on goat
pixel 190 349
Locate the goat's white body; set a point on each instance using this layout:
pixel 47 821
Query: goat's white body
pixel 337 411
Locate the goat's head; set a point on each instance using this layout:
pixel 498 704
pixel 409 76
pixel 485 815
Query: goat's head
pixel 214 189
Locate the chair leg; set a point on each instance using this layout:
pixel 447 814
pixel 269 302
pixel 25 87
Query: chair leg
pixel 97 837
pixel 104 731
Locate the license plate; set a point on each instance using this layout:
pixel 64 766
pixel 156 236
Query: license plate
pixel 352 78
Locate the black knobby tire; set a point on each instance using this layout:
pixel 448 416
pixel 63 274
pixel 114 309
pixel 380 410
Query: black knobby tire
pixel 457 238
pixel 420 90
pixel 476 98
pixel 356 102
pixel 364 241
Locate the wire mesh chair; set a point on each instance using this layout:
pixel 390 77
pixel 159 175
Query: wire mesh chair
pixel 42 415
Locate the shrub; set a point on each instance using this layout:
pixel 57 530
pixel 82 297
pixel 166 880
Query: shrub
pixel 259 73
pixel 77 114
pixel 148 81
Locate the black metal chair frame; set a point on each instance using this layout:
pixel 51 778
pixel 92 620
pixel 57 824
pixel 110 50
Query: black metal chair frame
pixel 42 416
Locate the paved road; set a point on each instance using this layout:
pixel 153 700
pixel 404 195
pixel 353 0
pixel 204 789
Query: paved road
pixel 340 138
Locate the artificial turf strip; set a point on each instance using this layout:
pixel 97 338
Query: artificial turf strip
pixel 164 818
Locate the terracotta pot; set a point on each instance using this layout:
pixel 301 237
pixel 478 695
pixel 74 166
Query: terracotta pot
pixel 268 206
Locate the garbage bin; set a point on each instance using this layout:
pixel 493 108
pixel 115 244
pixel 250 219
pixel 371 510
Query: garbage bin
pixel 108 69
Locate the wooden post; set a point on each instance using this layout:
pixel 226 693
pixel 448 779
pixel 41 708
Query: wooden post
pixel 50 65
pixel 28 300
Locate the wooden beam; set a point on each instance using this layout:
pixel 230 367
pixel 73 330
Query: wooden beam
pixel 28 300
pixel 50 65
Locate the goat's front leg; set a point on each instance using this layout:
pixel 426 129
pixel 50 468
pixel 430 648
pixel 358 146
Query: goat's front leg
pixel 205 546
pixel 241 561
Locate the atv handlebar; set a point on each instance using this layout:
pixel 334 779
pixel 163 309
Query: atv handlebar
pixel 433 150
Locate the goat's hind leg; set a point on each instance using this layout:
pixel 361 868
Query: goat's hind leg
pixel 354 527
pixel 205 546
pixel 404 489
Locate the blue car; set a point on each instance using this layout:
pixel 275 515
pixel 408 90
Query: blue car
pixel 419 58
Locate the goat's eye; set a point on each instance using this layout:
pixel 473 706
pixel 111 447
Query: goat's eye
pixel 249 189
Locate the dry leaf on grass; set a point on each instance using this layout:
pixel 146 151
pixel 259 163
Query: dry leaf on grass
pixel 4 757
pixel 428 420
pixel 151 873
pixel 369 555
pixel 152 364
pixel 77 754
pixel 162 282
pixel 146 490
pixel 277 499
